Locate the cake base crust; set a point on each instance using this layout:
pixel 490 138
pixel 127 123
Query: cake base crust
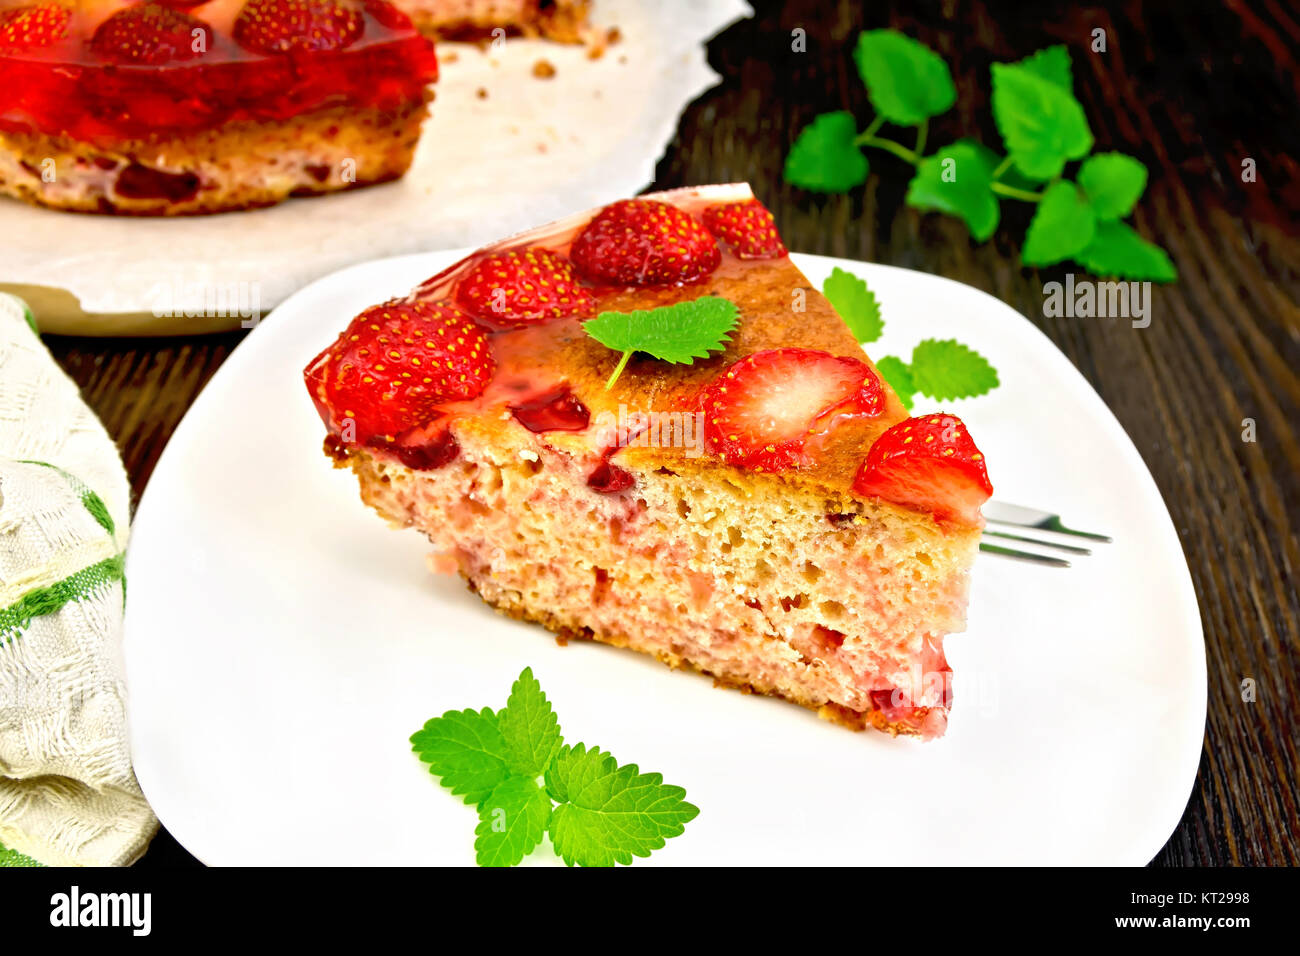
pixel 238 166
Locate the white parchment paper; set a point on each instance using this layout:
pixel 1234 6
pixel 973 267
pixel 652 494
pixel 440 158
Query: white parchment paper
pixel 530 151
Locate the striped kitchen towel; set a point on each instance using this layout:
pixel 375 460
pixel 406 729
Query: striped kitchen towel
pixel 67 792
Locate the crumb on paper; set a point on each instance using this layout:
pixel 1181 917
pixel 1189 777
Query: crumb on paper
pixel 543 69
pixel 600 40
pixel 481 92
pixel 622 59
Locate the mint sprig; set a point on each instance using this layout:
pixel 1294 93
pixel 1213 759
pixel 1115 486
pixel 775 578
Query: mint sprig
pixel 610 813
pixel 596 811
pixel 678 333
pixel 1062 227
pixel 958 179
pixel 855 303
pixel 530 728
pixel 1043 130
pixel 825 157
pixel 1113 183
pixel 907 82
pixel 512 822
pixel 466 750
pixel 1041 123
pixel 942 369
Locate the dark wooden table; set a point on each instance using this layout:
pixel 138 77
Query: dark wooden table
pixel 1190 88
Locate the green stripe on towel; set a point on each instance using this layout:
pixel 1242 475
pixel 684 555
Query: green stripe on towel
pixel 15 618
pixel 10 857
pixel 93 503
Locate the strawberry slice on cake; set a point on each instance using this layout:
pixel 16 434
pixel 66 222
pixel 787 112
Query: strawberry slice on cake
pixel 621 426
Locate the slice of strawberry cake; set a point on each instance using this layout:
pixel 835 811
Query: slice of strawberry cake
pixel 642 425
pixel 174 107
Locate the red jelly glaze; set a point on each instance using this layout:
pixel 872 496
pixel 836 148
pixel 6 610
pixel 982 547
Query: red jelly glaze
pixel 555 411
pixel 427 454
pixel 882 699
pixel 609 479
pixel 69 88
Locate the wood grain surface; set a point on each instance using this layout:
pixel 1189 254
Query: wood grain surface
pixel 1192 89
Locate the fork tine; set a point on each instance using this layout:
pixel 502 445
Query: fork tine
pixel 1004 512
pixel 1072 548
pixel 1023 555
pixel 1054 524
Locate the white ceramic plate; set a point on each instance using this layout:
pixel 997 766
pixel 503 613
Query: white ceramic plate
pixel 282 644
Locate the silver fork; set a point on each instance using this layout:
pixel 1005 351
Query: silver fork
pixel 1004 513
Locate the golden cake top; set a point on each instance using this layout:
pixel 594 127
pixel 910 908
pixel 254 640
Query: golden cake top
pixel 767 380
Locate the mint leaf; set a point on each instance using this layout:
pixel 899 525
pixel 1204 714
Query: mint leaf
pixel 1063 224
pixel 678 333
pixel 825 156
pixel 466 750
pixel 895 371
pixel 512 821
pixel 1052 64
pixel 611 813
pixel 944 369
pixel 855 303
pixel 907 82
pixel 529 727
pixel 1117 251
pixel 957 180
pixel 608 813
pixel 1113 182
pixel 1042 124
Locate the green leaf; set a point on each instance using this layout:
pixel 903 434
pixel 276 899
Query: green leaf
pixel 1042 124
pixel 1113 182
pixel 529 727
pixel 1052 64
pixel 895 371
pixel 512 821
pixel 678 333
pixel 907 82
pixel 609 813
pixel 825 156
pixel 855 303
pixel 466 750
pixel 1118 251
pixel 1063 224
pixel 944 369
pixel 957 180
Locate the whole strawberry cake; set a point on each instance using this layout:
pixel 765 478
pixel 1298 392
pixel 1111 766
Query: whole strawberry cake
pixel 173 107
pixel 642 425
